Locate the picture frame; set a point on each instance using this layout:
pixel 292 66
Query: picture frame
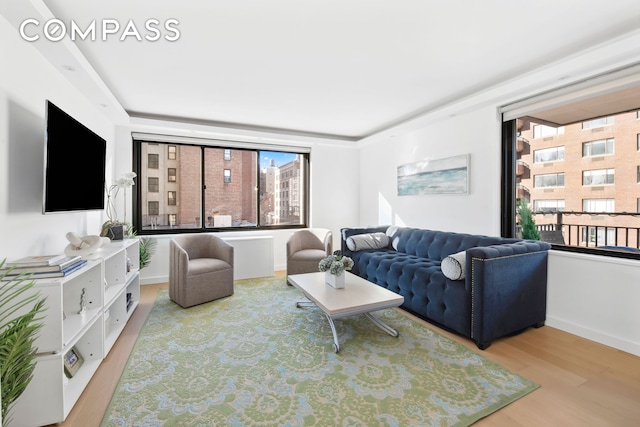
pixel 448 175
pixel 72 362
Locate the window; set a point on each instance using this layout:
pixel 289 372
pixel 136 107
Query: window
pixel 598 236
pixel 152 161
pixel 603 121
pixel 153 208
pixel 542 131
pixel 548 154
pixel 597 148
pixel 549 180
pixel 172 152
pixel 153 184
pixel 220 188
pixel 598 177
pixel 548 205
pixel 598 205
pixel 591 207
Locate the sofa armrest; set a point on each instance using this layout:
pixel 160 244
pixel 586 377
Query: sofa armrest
pixel 508 287
pixel 347 232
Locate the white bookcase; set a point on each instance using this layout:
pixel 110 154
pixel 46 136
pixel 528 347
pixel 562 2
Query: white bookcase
pixel 111 285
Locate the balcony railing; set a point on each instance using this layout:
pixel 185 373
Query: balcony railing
pixel 604 230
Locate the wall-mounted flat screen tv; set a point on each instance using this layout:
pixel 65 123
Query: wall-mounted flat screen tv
pixel 75 157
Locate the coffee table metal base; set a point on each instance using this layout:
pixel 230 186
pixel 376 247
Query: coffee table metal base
pixel 336 344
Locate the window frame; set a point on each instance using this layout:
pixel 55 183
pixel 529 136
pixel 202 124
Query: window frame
pixel 172 198
pixel 305 156
pixel 606 174
pixel 557 150
pixel 588 146
pixel 155 185
pixel 556 174
pixel 508 187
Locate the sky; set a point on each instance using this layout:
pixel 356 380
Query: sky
pixel 278 157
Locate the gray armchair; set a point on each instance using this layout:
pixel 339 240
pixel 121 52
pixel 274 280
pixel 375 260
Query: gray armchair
pixel 200 269
pixel 305 249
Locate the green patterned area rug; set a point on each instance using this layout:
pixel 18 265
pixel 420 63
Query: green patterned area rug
pixel 254 359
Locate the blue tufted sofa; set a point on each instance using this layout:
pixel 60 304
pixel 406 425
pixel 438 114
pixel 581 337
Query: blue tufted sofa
pixel 504 290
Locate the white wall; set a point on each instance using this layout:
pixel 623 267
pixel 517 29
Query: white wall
pixel 476 134
pixel 26 81
pixel 595 297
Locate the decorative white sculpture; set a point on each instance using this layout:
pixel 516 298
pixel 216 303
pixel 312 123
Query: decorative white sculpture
pixel 83 245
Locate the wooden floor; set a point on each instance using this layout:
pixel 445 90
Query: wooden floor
pixel 582 383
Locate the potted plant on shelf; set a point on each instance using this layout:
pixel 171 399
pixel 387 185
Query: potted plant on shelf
pixel 17 336
pixel 114 228
pixel 334 267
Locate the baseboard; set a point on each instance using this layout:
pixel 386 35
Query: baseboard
pixel 593 335
pixel 154 280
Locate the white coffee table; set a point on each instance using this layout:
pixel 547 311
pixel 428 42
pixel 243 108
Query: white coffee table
pixel 359 296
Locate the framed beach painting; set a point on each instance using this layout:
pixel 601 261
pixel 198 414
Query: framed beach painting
pixel 448 175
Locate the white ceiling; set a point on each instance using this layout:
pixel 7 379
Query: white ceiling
pixel 347 68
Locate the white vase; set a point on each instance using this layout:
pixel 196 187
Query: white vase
pixel 337 281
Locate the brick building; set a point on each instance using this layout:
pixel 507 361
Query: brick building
pixel 583 178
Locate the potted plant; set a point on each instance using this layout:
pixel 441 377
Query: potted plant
pixel 334 266
pixel 147 248
pixel 114 228
pixel 17 336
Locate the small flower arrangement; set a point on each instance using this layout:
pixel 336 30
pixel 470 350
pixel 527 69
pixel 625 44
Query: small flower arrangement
pixel 335 264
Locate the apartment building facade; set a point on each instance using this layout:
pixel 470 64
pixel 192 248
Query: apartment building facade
pixel 583 178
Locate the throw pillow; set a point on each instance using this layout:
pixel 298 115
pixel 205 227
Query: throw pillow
pixel 361 242
pixel 390 232
pixel 453 266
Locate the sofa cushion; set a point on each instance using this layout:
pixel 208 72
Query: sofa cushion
pixel 453 265
pixel 368 241
pixel 437 245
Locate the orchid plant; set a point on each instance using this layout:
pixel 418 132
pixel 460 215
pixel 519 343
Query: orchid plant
pixel 126 181
pixel 335 264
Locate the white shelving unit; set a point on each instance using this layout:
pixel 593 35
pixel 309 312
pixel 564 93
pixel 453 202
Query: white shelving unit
pixel 111 285
pixel 122 289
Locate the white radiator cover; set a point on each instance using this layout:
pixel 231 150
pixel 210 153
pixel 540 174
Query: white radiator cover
pixel 252 256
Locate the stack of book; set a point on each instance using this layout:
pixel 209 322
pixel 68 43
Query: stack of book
pixel 43 266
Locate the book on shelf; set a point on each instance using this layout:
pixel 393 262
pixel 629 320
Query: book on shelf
pixel 35 261
pixel 71 268
pixel 62 273
pixel 56 266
